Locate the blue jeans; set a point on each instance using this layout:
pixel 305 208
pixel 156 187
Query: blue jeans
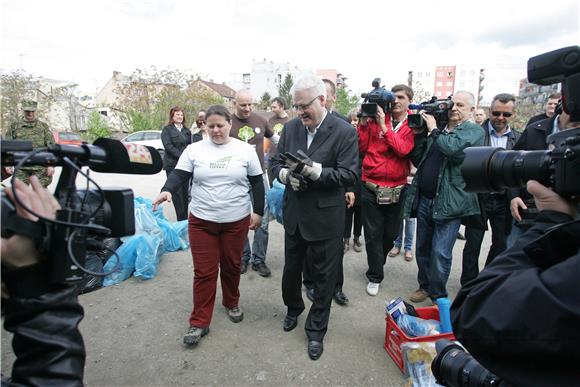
pixel 257 254
pixel 435 241
pixel 409 229
pixel 515 234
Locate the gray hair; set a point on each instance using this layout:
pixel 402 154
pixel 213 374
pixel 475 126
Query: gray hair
pixel 470 97
pixel 309 82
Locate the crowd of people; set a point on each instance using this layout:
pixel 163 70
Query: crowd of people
pixel 375 171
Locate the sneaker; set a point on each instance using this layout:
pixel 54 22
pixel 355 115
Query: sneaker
pixel 235 314
pixel 356 245
pixel 244 267
pixel 194 335
pixel 419 295
pixel 346 245
pixel 262 269
pixel 373 288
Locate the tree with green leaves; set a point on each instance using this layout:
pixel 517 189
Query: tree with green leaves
pixel 96 126
pixel 265 100
pixel 284 89
pixel 14 86
pixel 146 99
pixel 345 102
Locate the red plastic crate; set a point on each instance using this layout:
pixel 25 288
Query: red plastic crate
pixel 395 337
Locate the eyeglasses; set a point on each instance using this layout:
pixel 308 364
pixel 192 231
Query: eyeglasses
pixel 506 115
pixel 306 105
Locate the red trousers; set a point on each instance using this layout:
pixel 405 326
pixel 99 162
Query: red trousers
pixel 215 247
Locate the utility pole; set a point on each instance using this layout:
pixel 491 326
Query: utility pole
pixel 20 57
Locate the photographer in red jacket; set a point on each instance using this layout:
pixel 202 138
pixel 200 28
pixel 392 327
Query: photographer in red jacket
pixel 384 143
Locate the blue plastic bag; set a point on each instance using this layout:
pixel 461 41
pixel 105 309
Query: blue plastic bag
pixel 275 199
pixel 415 326
pixel 127 253
pixel 183 233
pixel 148 252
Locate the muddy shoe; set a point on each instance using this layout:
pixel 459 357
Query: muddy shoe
pixel 346 245
pixel 262 269
pixel 419 295
pixel 394 251
pixel 235 314
pixel 194 335
pixel 356 245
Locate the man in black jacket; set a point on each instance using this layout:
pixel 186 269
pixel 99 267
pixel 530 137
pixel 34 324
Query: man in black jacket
pixel 550 109
pixel 519 318
pixel 532 139
pixel 495 205
pixel 43 317
pixel 313 204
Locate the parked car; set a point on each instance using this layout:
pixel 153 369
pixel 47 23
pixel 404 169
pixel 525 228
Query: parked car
pixel 147 137
pixel 68 138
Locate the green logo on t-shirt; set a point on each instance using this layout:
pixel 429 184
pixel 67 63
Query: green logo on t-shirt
pixel 278 128
pixel 220 163
pixel 246 133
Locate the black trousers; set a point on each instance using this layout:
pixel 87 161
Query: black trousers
pixel 321 258
pixel 381 225
pixel 180 199
pixel 496 211
pixel 356 213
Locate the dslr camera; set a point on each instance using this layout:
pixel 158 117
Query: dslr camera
pixel 378 96
pixel 86 216
pixel 487 169
pixel 438 108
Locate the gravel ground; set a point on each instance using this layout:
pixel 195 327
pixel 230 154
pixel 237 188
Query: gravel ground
pixel 133 331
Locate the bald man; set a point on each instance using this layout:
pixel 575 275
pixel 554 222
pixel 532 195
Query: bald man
pixel 250 127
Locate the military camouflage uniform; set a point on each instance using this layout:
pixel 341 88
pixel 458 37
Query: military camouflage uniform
pixel 40 135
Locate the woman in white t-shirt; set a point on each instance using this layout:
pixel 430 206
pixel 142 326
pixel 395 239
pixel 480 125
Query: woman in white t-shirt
pixel 224 171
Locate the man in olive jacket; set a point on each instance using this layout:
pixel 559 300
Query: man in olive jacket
pixel 437 197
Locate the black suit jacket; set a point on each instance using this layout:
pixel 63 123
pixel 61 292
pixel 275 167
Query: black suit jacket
pixel 174 141
pixel 319 210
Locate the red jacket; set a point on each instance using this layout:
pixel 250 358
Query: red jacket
pixel 385 159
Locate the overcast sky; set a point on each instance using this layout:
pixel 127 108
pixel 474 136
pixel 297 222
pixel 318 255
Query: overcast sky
pixel 85 40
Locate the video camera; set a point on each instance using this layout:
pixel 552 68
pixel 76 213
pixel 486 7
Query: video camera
pixel 438 108
pixel 378 96
pixel 85 215
pixel 487 169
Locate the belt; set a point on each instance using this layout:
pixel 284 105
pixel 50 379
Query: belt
pixel 385 195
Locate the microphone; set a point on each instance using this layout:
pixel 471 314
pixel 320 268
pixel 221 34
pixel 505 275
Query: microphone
pixel 126 157
pixel 105 155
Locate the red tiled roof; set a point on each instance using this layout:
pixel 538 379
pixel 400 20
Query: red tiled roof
pixel 223 90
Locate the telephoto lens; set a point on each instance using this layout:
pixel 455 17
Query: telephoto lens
pixel 453 367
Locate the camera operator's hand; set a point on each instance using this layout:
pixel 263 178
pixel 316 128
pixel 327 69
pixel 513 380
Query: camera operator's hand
pixel 515 205
pixel 49 171
pixel 546 199
pixel 255 221
pixel 381 118
pixel 349 197
pixel 430 121
pixel 162 197
pixel 18 250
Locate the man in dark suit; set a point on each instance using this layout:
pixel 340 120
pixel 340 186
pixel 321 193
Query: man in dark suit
pixel 313 204
pixel 339 297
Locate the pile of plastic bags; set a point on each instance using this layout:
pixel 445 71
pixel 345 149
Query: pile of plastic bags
pixel 154 236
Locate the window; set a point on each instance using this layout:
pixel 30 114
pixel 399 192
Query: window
pixel 135 137
pixel 428 74
pixel 462 73
pixel 439 83
pixel 439 73
pixel 152 135
pixel 438 94
pixel 419 74
pixel 461 83
pixel 246 78
pixel 449 83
